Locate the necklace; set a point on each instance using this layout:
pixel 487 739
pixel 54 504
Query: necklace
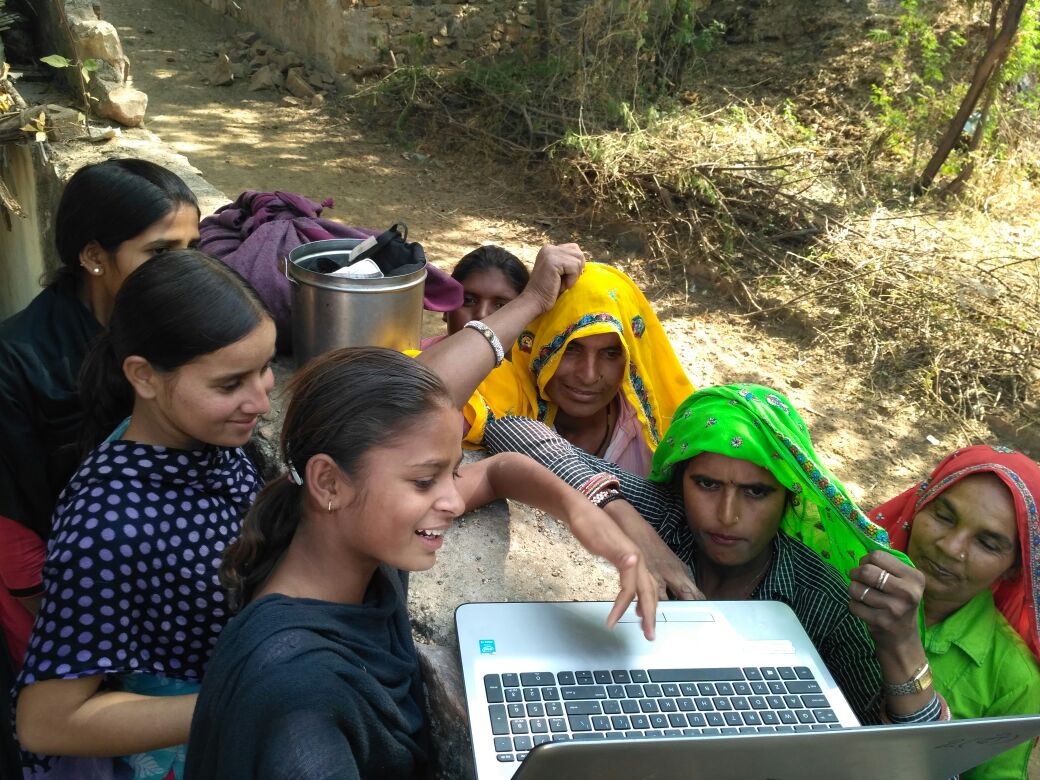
pixel 757 580
pixel 601 448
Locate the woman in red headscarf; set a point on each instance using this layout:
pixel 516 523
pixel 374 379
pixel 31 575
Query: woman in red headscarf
pixel 972 528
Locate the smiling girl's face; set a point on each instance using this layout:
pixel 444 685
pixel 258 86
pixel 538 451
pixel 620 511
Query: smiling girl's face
pixel 733 507
pixel 964 540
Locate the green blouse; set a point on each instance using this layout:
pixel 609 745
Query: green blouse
pixel 983 669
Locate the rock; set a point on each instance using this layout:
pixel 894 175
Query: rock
pixel 315 79
pixel 290 59
pixel 298 86
pixel 248 38
pixel 318 101
pixel 125 105
pixel 289 100
pixel 264 79
pixel 221 73
pixel 448 716
pixel 259 61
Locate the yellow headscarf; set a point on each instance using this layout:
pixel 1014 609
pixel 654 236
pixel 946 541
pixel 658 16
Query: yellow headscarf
pixel 603 300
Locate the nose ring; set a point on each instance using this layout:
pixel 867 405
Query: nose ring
pixel 964 555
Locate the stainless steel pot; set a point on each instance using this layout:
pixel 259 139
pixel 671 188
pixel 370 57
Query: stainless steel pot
pixel 336 311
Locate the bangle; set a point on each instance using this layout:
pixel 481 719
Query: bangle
pixel 922 679
pixel 492 339
pixel 604 497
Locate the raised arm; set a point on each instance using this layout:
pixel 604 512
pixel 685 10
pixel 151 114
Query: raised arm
pixel 514 476
pixel 463 359
pixel 885 593
pixel 649 514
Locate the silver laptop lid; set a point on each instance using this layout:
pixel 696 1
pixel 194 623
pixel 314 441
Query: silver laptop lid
pixel 513 655
pixel 924 752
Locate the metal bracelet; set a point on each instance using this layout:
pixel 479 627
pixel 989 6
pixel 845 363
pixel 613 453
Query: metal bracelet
pixel 492 339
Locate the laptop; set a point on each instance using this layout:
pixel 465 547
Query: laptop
pixel 727 689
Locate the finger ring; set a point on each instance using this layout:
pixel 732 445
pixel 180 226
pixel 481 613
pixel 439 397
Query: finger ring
pixel 882 579
pixel 863 595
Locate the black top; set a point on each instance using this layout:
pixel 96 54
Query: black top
pixel 41 350
pixel 308 689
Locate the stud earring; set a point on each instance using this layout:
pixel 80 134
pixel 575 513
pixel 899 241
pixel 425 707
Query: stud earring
pixel 96 270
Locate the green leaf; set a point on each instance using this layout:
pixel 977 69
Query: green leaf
pixel 56 61
pixel 90 65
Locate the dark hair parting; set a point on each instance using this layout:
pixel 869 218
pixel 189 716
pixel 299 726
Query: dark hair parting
pixel 491 257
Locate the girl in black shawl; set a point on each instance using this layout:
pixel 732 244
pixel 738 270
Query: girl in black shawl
pixel 318 677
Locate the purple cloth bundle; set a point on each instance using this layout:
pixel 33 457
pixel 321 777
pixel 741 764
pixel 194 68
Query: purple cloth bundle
pixel 254 234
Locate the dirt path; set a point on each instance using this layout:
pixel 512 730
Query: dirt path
pixel 251 140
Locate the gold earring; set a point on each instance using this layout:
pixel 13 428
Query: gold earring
pixel 330 506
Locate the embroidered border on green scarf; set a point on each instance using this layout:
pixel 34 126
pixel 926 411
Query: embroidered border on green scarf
pixel 760 425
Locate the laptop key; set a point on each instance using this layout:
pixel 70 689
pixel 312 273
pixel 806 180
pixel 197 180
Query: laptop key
pixel 611 707
pixel 740 703
pixel 803 727
pixel 556 725
pixel 721 703
pixel 803 673
pixel 602 677
pixel 510 681
pixel 825 716
pixel 616 692
pixel 601 723
pixel 691 732
pixel 770 718
pixel 734 719
pixel 805 716
pixel 677 720
pixel 685 705
pixel 565 678
pixel 784 729
pixel 493 688
pixel 666 705
pixel 615 735
pixel 580 722
pixel 786 673
pixel 703 703
pixel 539 725
pixel 695 675
pixel 752 719
pixel 516 710
pixel 766 729
pixel 532 694
pixel 634 690
pixel 658 721
pixel 575 692
pixel 787 717
pixel 742 689
pixel 688 689
pixel 815 701
pixel 769 673
pixel 621 676
pixel 757 703
pixel 673 732
pixel 715 719
pixel 711 731
pixel 553 708
pixel 671 689
pixel 775 702
pixel 502 744
pixel 653 733
pixel 794 702
pixel 648 705
pixel 652 690
pixel 819 727
pixel 729 730
pixel 777 688
pixel 561 738
pixel 528 679
pixel 629 706
pixel 620 722
pixel 760 688
pixel 640 722
pixel 747 730
pixel 550 694
pixel 724 689
pixel 499 721
pixel 585 735
pixel 633 735
pixel 696 719
pixel 518 726
pixel 638 676
pixel 706 689
pixel 514 694
pixel 535 710
pixel 521 756
pixel 803 686
pixel 541 739
pixel 752 673
pixel 583 708
pixel 505 758
pixel 522 743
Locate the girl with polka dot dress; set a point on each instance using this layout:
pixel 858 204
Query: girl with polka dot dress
pixel 132 605
pixel 317 676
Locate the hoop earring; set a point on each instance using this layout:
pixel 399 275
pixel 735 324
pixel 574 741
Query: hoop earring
pixel 330 506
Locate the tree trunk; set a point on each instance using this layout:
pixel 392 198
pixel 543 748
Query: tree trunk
pixel 989 66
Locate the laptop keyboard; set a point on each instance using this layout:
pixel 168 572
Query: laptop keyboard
pixel 531 708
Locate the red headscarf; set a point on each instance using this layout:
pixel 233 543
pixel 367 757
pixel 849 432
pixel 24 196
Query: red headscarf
pixel 1017 599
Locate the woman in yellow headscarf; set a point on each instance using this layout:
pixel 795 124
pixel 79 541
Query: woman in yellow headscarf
pixel 597 366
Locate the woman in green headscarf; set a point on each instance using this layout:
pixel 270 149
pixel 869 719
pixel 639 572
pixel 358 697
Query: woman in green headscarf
pixel 739 496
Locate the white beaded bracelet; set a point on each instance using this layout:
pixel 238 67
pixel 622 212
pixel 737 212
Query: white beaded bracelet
pixel 492 339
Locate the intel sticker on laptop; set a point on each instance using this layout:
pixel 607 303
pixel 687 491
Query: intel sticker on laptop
pixel 487 646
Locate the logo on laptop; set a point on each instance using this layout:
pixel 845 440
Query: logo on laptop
pixel 487 646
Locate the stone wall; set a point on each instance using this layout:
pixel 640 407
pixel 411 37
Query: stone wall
pixel 347 36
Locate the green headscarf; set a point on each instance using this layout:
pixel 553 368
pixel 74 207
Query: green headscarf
pixel 757 424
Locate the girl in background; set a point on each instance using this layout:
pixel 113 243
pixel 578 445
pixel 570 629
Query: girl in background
pixel 490 277
pixel 112 217
pixel 132 605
